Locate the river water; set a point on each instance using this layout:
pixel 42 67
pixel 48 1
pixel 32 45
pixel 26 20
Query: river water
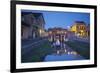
pixel 63 57
pixel 64 54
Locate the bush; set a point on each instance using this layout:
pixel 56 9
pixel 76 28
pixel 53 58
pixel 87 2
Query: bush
pixel 41 51
pixel 82 48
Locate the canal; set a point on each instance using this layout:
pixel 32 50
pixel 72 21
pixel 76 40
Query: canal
pixel 63 57
pixel 65 53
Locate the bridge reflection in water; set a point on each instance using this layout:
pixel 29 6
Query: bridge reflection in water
pixel 63 52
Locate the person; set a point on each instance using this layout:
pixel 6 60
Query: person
pixel 57 46
pixel 57 42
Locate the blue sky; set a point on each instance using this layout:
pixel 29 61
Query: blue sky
pixel 62 19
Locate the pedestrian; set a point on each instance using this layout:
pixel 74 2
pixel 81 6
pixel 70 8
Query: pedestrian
pixel 58 46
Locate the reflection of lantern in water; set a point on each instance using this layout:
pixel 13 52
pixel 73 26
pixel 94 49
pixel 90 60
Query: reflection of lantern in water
pixel 57 52
pixel 75 53
pixel 65 50
pixel 69 53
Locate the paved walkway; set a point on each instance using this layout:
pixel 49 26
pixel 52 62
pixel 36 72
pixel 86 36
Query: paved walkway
pixel 27 50
pixel 32 43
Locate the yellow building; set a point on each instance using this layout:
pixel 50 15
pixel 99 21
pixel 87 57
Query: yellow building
pixel 80 29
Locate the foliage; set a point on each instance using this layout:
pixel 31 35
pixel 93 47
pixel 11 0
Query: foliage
pixel 82 48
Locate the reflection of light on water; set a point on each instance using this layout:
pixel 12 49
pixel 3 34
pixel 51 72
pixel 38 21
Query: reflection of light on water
pixel 57 52
pixel 75 53
pixel 72 52
pixel 65 50
pixel 68 53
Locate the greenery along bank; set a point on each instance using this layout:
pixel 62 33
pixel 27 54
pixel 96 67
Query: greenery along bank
pixel 38 53
pixel 83 48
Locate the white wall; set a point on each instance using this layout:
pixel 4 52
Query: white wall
pixel 5 37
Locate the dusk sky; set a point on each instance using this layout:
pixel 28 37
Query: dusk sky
pixel 62 19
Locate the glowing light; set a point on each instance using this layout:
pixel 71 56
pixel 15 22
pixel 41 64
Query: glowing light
pixel 40 31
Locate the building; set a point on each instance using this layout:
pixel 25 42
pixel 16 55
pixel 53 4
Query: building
pixel 57 34
pixel 80 29
pixel 32 25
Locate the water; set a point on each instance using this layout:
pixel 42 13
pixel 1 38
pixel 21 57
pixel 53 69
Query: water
pixel 64 54
pixel 63 57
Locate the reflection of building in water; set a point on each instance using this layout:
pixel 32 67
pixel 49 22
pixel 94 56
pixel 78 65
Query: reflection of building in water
pixel 32 25
pixel 80 29
pixel 57 34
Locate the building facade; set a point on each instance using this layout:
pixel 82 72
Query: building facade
pixel 32 25
pixel 80 29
